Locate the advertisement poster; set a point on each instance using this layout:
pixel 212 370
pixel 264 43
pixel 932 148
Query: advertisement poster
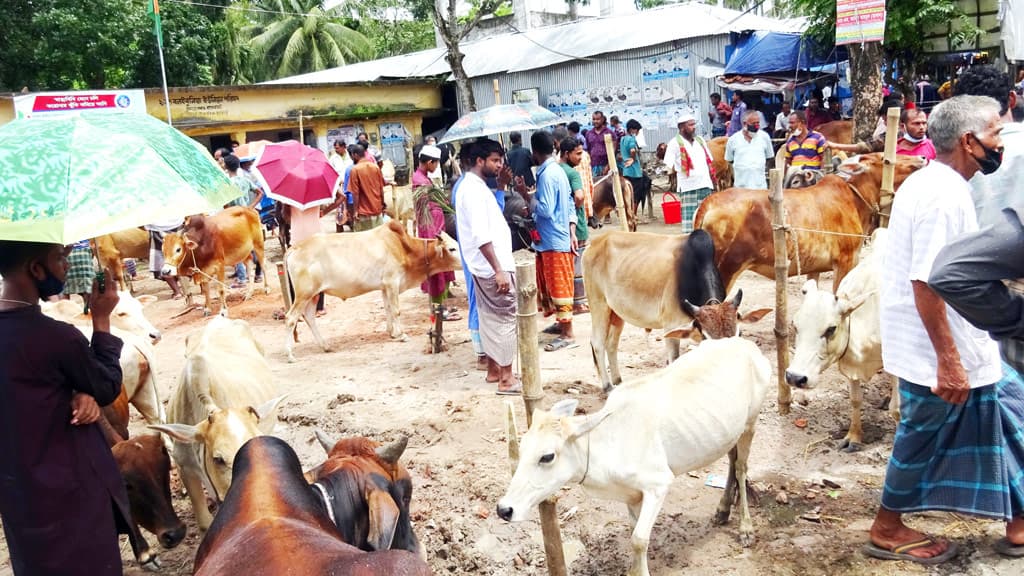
pixel 345 133
pixel 52 104
pixel 860 21
pixel 665 78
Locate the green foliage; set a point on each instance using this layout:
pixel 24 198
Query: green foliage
pixel 189 41
pixel 481 8
pixel 392 26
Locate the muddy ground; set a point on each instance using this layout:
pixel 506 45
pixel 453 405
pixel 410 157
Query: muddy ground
pixel 457 456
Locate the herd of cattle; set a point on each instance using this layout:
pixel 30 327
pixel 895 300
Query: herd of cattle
pixel 350 514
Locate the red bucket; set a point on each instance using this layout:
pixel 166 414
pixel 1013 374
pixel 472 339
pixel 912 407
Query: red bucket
pixel 672 209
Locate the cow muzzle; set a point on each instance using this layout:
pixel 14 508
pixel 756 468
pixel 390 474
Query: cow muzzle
pixel 505 512
pixel 173 537
pixel 796 380
pixel 155 336
pixel 169 270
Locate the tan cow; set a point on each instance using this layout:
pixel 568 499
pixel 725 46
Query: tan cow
pixel 723 170
pixel 225 396
pixel 833 216
pixel 347 265
pixel 112 249
pixel 839 131
pixel 208 245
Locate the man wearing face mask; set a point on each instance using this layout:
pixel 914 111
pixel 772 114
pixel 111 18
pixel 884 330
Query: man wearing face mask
pixel 748 151
pixel 957 447
pixel 914 140
pixel 62 498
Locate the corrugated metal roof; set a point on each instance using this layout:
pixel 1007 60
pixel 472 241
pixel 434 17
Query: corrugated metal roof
pixel 549 45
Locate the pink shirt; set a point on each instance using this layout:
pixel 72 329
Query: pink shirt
pixel 305 223
pixel 923 148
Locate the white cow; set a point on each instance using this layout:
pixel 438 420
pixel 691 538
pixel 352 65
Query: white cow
pixel 225 397
pixel 843 329
pixel 127 316
pixel 681 418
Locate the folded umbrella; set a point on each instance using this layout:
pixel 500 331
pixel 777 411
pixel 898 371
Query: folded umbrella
pixel 76 177
pixel 296 174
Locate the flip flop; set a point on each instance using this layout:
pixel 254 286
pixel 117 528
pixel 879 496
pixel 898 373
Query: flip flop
pixel 901 552
pixel 553 329
pixel 559 343
pixel 514 391
pixel 450 315
pixel 1006 548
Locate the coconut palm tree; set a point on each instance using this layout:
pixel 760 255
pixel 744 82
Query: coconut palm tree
pixel 299 36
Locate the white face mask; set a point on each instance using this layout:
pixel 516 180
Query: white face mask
pixel 797 132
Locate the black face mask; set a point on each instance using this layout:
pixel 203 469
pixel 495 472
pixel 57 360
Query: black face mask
pixel 49 286
pixel 992 159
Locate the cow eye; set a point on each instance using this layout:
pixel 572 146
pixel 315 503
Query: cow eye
pixel 829 332
pixel 547 458
pixel 219 461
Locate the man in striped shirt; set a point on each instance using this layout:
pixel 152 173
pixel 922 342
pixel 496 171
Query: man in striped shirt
pixel 805 149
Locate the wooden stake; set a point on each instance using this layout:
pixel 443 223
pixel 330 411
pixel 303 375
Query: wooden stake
pixel 497 92
pixel 282 276
pixel 533 393
pixel 781 275
pixel 302 138
pixel 886 194
pixel 613 168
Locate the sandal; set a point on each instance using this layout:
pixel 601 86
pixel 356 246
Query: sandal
pixel 515 390
pixel 450 314
pixel 560 343
pixel 1004 547
pixel 581 309
pixel 553 329
pixel 279 314
pixel 901 552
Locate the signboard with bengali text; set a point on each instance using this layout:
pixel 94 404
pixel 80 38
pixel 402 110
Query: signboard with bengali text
pixel 860 21
pixel 50 104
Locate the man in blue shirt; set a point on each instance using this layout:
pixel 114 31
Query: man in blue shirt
pixel 555 216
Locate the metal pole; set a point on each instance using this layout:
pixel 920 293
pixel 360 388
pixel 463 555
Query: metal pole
pixel 533 393
pixel 613 167
pixel 781 276
pixel 887 192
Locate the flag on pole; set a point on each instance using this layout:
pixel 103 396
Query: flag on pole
pixel 153 8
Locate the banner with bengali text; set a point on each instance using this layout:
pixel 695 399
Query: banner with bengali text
pixel 860 21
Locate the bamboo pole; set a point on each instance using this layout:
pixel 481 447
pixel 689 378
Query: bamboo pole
pixel 613 167
pixel 282 276
pixel 892 120
pixel 302 137
pixel 781 276
pixel 533 393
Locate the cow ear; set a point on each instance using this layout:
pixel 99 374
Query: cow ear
pixel 264 411
pixel 846 307
pixel 384 514
pixel 580 425
pixel 754 316
pixel 564 408
pixel 682 332
pixel 809 286
pixel 191 244
pixel 146 299
pixel 180 432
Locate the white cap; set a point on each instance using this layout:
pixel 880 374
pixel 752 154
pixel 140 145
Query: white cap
pixel 684 117
pixel 431 151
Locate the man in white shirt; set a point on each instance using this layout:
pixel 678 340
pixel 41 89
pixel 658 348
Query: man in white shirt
pixel 950 451
pixel 688 156
pixel 748 151
pixel 486 243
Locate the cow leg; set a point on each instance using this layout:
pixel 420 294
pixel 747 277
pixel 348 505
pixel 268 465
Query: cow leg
pixel 392 310
pixel 599 316
pixel 672 349
pixel 729 496
pixel 653 499
pixel 250 272
pixel 854 440
pixel 742 452
pixel 615 325
pixel 309 314
pixel 223 292
pixel 259 249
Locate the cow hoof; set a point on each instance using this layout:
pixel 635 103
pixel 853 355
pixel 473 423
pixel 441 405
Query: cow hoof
pixel 747 538
pixel 291 359
pixel 608 388
pixel 401 337
pixel 721 517
pixel 150 562
pixel 206 312
pixel 849 446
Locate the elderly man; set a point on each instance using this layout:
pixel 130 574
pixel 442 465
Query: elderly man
pixel 957 447
pixel 805 149
pixel 486 244
pixel 688 156
pixel 915 141
pixel 748 151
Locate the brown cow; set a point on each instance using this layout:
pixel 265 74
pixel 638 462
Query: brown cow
pixel 655 281
pixel 368 492
pixel 723 170
pixel 844 207
pixel 839 131
pixel 604 200
pixel 112 249
pixel 209 245
pixel 273 522
pixel 347 265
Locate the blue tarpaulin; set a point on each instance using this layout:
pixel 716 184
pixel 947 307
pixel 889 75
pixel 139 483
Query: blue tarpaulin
pixel 778 53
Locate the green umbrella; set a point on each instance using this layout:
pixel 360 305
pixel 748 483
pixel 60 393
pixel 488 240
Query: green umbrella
pixel 67 179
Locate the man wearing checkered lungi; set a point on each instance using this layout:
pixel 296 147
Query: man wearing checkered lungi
pixel 958 446
pixel 688 156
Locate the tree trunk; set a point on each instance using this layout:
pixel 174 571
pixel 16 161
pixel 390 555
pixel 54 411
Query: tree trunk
pixel 866 84
pixel 462 87
pixel 574 10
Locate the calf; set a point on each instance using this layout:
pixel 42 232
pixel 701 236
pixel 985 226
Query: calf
pixel 604 200
pixel 225 397
pixel 112 249
pixel 128 315
pixel 347 265
pixel 723 169
pixel 655 281
pixel 367 493
pixel 843 329
pixel 209 245
pixel 648 432
pixel 272 522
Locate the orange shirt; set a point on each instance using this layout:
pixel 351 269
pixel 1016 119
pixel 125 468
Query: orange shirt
pixel 366 183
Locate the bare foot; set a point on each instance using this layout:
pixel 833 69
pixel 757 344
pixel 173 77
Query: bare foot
pixel 1015 531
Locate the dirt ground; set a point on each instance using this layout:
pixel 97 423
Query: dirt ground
pixel 457 456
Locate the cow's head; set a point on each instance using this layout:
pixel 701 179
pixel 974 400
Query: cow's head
pixel 362 477
pixel 865 170
pixel 550 456
pixel 446 254
pixel 716 319
pixel 146 469
pixel 129 316
pixel 220 436
pixel 175 248
pixel 822 332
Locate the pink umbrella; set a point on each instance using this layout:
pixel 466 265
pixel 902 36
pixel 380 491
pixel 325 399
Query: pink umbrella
pixel 296 174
